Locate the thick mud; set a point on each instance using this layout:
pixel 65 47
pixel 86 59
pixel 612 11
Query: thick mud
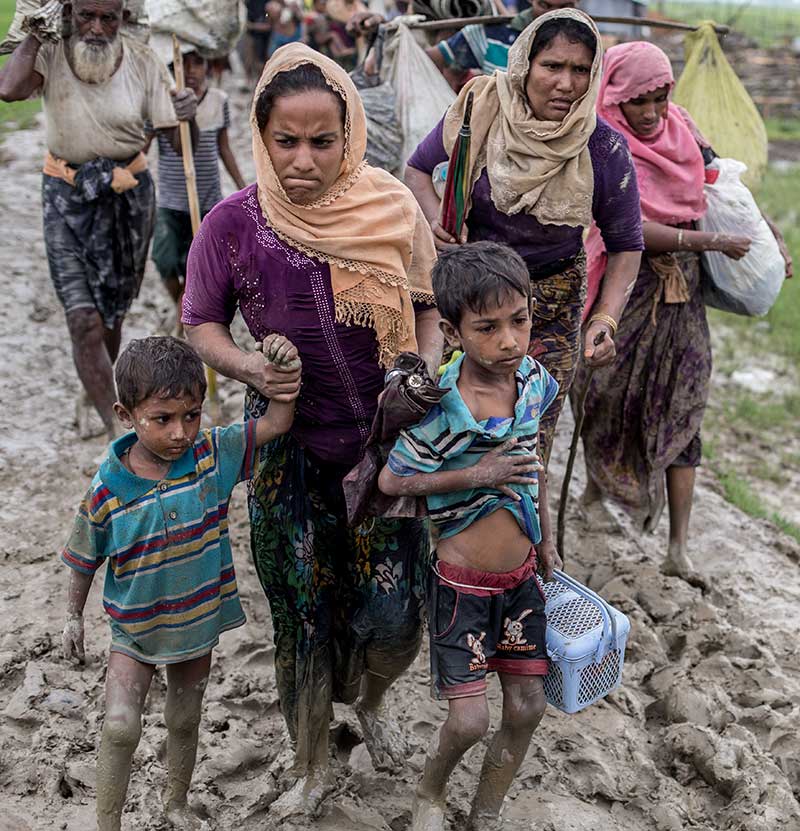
pixel 703 734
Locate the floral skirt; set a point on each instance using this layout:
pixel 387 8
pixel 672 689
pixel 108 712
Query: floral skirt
pixel 643 412
pixel 556 336
pixel 335 592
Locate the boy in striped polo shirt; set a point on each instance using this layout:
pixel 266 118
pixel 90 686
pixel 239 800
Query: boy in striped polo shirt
pixel 157 511
pixel 474 456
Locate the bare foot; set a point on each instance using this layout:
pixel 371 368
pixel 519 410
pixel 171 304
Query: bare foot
pixel 485 822
pixel 427 814
pixel 87 419
pixel 304 798
pixel 598 518
pixel 656 509
pixel 383 737
pixel 678 564
pixel 182 818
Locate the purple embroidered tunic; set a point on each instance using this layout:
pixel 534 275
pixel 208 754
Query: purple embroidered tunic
pixel 236 260
pixel 615 204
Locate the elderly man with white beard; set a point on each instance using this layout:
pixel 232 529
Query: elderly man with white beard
pixel 99 90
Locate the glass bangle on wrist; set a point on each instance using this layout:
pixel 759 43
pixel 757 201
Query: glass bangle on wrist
pixel 680 239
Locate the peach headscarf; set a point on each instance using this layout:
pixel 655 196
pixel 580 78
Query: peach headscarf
pixel 669 164
pixel 542 168
pixel 368 227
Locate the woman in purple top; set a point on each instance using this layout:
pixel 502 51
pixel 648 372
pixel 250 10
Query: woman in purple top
pixel 542 166
pixel 336 256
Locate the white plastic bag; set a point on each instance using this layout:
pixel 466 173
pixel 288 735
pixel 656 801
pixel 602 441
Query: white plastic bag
pixel 748 286
pixel 422 95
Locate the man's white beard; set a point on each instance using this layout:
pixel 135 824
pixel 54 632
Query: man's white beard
pixel 94 64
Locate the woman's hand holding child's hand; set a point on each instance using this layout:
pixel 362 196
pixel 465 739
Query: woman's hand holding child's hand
pixel 548 558
pixel 274 369
pixel 499 468
pixel 281 353
pixel 72 638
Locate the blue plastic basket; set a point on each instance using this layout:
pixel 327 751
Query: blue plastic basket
pixel 586 640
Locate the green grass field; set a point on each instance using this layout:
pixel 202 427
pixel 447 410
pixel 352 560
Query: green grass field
pixel 20 113
pixel 772 418
pixel 768 25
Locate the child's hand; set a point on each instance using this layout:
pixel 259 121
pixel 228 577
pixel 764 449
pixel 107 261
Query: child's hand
pixel 281 352
pixel 499 469
pixel 72 638
pixel 549 558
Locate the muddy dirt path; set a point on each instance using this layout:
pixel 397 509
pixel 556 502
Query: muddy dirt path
pixel 703 734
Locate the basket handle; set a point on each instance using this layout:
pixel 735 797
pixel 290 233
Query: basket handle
pixel 609 622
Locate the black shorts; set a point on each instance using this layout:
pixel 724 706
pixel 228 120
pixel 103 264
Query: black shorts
pixel 484 622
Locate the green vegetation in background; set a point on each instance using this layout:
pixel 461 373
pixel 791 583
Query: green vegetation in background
pixel 783 129
pixel 20 114
pixel 772 417
pixel 767 25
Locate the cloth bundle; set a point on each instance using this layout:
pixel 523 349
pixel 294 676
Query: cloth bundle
pixel 446 9
pixel 720 105
pixel 408 396
pixel 46 22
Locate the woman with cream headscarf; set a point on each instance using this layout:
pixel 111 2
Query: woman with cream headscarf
pixel 643 414
pixel 336 256
pixel 542 166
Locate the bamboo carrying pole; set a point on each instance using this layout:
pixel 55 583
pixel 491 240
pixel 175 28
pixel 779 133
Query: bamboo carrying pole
pixel 460 22
pixel 191 192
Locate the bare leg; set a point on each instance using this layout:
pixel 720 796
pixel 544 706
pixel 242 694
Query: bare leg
pixel 127 683
pixel 113 338
pixel 186 683
pixel 385 742
pixel 680 492
pixel 523 707
pixel 93 363
pixel 467 723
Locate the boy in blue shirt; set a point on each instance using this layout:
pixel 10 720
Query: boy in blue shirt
pixel 157 512
pixel 474 456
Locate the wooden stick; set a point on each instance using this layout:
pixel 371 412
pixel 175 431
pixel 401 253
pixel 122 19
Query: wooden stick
pixel 460 22
pixel 194 201
pixel 186 142
pixel 573 450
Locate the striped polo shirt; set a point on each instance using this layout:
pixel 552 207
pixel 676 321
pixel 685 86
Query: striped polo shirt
pixel 449 438
pixel 212 116
pixel 170 585
pixel 484 46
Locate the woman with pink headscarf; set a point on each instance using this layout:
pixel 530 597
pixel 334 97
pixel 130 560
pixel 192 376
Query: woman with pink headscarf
pixel 643 413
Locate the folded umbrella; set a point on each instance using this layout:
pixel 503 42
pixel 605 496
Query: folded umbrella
pixel 456 186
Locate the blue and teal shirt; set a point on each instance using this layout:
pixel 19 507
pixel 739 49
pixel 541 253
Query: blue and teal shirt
pixel 170 587
pixel 449 438
pixel 483 47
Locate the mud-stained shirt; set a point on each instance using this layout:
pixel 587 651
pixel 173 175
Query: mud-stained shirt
pixel 89 121
pixel 449 438
pixel 170 587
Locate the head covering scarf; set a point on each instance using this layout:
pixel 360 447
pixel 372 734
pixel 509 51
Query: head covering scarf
pixel 669 164
pixel 542 168
pixel 368 227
